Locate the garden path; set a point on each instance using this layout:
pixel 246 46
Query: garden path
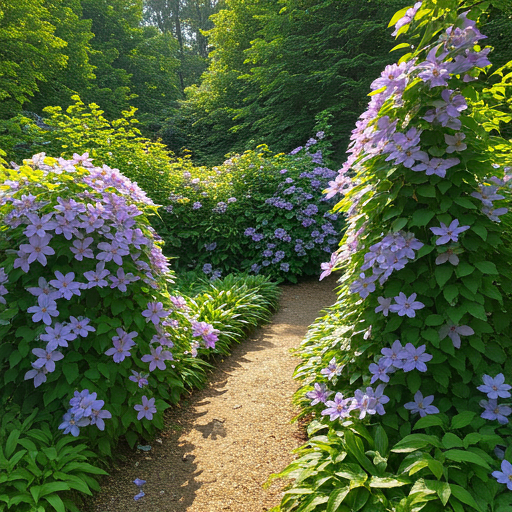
pixel 221 445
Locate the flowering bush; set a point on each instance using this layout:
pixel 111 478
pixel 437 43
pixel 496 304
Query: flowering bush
pixel 419 338
pixel 254 213
pixel 85 313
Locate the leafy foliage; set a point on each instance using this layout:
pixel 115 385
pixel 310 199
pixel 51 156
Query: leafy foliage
pixel 447 304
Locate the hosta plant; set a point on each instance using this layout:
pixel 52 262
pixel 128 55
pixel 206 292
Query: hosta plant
pixel 409 374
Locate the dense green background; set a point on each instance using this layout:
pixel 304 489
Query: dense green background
pixel 211 76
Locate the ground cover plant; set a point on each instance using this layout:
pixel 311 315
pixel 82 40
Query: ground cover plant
pixel 95 341
pixel 409 374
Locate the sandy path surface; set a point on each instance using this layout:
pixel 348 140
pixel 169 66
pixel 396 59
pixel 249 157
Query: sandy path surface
pixel 223 443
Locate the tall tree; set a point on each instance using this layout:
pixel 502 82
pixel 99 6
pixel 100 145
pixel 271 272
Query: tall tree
pixel 30 52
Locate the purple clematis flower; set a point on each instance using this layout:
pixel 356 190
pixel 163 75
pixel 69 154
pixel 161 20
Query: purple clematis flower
pixel 157 358
pixel 338 408
pixel 454 332
pixel 392 356
pixel 319 394
pixel 448 255
pixel 414 358
pixel 495 387
pixel 138 482
pixel 139 378
pixel 39 226
pixel 80 326
pixel 422 405
pixel 406 305
pixel 57 336
pixel 493 411
pixel 384 305
pixel 37 249
pixel 45 309
pixel 38 374
pixel 332 370
pixel 147 409
pixel 505 475
pixel 450 233
pixel 46 359
pixel 71 425
pixel 155 312
pixel 364 285
pixel 65 284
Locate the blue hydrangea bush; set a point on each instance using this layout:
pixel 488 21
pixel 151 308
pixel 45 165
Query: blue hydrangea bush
pixel 90 328
pixel 409 375
pixel 254 213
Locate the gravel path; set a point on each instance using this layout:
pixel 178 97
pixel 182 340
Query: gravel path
pixel 221 446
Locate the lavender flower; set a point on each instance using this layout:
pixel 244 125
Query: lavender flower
pixel 147 409
pixel 319 394
pixel 57 336
pixel 71 425
pixel 384 305
pixel 97 277
pixel 493 411
pixel 379 371
pixel 338 408
pixel 450 233
pixel 454 332
pixel 332 370
pixel 455 142
pixel 154 312
pixel 157 358
pixel 505 475
pixel 46 359
pixel 406 305
pixel 45 309
pixel 414 358
pixel 364 285
pixel 392 356
pixel 38 374
pixel 448 255
pixel 495 387
pixel 37 249
pixel 422 405
pixel 139 378
pixel 65 284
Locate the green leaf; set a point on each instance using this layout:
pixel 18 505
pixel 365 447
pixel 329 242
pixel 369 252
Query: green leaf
pixel 463 419
pixel 463 495
pixel 465 456
pixel 398 15
pixel 117 307
pixel 465 202
pixel 381 440
pixel 436 467
pixel 414 442
pixel 426 191
pixel 356 448
pixel 398 224
pixel 431 420
pixel 387 482
pixel 422 217
pixel 442 489
pixel 434 320
pixel 452 441
pixel 480 231
pixel 495 353
pixel 464 269
pixel 56 502
pixel 336 498
pixel 476 310
pixel 400 46
pixel 486 267
pixel 442 273
pixel 70 371
pixel 11 442
pixel 450 292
